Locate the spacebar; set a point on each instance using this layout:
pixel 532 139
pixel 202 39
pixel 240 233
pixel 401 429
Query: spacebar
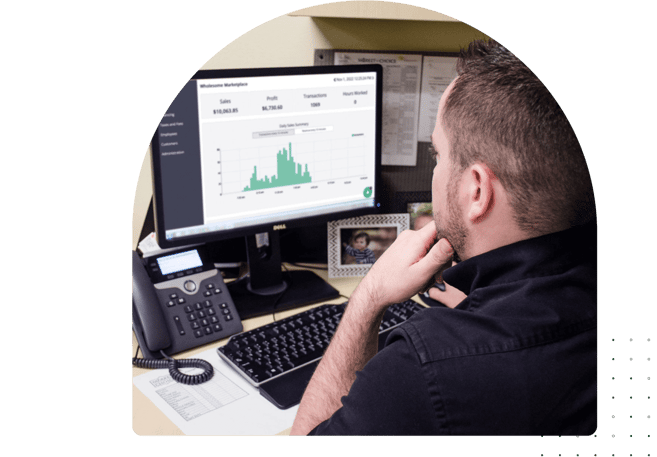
pixel 263 373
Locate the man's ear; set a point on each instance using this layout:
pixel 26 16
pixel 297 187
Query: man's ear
pixel 480 192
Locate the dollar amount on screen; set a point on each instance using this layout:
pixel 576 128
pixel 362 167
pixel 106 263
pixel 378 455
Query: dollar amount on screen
pixel 272 107
pixel 224 111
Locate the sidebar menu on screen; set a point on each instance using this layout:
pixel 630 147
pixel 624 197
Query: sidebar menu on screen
pixel 180 161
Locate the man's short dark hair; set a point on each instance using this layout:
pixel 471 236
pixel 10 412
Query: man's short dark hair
pixel 500 113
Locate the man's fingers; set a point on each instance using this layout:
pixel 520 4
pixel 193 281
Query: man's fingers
pixel 438 259
pixel 428 232
pixel 441 253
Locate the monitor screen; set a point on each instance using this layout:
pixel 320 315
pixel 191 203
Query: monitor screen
pixel 246 151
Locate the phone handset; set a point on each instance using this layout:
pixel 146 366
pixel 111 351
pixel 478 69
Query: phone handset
pixel 154 330
pixel 147 306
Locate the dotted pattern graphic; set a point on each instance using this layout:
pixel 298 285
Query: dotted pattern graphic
pixel 632 389
pixel 626 399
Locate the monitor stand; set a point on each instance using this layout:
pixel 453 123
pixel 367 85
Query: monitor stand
pixel 268 289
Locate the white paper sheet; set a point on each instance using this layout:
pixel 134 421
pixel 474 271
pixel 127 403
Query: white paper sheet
pixel 401 99
pixel 225 405
pixel 437 73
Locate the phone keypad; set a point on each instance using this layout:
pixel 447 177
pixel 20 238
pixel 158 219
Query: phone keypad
pixel 197 318
pixel 205 317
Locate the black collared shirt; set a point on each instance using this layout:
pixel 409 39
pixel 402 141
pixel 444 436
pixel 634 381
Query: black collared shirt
pixel 517 357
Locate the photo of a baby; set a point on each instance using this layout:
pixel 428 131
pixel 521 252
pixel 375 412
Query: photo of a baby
pixel 363 246
pixel 355 244
pixel 358 249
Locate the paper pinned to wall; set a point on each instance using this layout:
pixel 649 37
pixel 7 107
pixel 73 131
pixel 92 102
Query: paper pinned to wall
pixel 401 100
pixel 437 73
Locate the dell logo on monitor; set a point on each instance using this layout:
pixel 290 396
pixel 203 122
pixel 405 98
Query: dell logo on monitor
pixel 279 227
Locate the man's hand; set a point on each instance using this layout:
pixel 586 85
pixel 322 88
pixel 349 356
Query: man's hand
pixel 410 265
pixel 449 297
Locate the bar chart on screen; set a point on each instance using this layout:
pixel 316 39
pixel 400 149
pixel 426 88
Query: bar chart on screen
pixel 330 165
pixel 319 162
pixel 288 173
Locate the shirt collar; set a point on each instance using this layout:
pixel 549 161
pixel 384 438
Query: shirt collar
pixel 535 257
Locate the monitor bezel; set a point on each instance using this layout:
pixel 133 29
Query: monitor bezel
pixel 281 223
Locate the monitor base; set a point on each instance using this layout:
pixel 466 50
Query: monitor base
pixel 304 288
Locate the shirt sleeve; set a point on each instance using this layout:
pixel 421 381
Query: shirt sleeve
pixel 389 397
pixel 351 251
pixel 370 257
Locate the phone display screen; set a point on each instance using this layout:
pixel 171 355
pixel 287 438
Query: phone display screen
pixel 179 262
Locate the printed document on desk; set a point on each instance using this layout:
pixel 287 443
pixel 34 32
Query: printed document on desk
pixel 225 405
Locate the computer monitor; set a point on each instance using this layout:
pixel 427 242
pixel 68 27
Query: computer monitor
pixel 249 152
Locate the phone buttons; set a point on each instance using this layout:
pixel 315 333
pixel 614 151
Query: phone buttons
pixel 190 286
pixel 181 330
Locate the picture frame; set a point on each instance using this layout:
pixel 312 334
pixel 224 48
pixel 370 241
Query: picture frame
pixel 417 204
pixel 380 230
pixel 402 199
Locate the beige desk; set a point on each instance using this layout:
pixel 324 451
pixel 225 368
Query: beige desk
pixel 147 419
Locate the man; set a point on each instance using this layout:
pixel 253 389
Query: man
pixel 513 202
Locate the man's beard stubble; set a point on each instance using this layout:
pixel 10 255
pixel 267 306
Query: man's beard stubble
pixel 452 226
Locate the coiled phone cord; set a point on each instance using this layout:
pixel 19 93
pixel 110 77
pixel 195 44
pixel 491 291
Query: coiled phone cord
pixel 173 365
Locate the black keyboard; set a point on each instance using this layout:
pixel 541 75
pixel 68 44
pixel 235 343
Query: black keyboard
pixel 270 351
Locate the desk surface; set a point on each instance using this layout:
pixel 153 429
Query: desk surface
pixel 147 419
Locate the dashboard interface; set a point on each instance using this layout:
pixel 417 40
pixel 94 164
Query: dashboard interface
pixel 251 150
